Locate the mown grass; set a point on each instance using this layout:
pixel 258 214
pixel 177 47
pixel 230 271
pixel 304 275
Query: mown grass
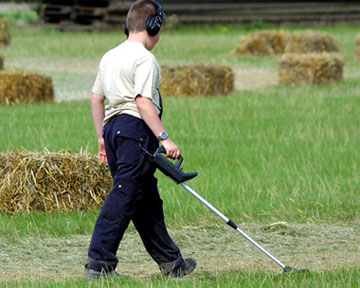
pixel 274 154
pixel 342 278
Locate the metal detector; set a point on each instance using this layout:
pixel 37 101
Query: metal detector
pixel 174 171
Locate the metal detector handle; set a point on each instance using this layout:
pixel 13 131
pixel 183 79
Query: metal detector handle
pixel 178 163
pixel 174 171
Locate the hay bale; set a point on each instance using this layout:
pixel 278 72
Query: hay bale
pixel 312 68
pixel 21 87
pixel 263 43
pixel 311 42
pixel 4 32
pixel 1 62
pixel 196 80
pixel 272 42
pixel 61 181
pixel 358 47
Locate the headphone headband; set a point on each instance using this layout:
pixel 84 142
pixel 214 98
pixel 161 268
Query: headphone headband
pixel 153 22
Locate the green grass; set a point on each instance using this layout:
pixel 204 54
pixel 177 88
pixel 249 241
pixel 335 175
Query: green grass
pixel 280 153
pixel 43 225
pixel 55 126
pixel 341 278
pixel 20 17
pixel 182 45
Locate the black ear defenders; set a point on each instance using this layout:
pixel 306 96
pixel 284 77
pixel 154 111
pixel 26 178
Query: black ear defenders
pixel 153 22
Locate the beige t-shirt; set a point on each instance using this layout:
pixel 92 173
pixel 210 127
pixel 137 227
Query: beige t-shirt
pixel 125 72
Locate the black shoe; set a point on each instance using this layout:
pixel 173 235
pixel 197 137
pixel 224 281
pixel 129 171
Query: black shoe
pixel 185 268
pixel 94 274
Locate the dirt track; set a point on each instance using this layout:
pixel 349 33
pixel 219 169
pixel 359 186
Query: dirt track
pixel 216 248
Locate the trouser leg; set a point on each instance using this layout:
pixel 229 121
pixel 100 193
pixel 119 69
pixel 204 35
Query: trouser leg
pixel 149 222
pixel 114 218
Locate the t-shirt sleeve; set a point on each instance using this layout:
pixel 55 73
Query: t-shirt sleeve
pixel 97 88
pixel 145 78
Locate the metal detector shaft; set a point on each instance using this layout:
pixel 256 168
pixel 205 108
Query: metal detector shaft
pixel 174 171
pixel 233 225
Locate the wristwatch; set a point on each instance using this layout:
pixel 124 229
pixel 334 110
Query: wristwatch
pixel 163 135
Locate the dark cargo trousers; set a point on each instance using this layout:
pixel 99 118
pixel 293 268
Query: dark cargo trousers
pixel 134 196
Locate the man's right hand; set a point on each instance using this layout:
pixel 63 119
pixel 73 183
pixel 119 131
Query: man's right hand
pixel 152 120
pixel 172 150
pixel 101 150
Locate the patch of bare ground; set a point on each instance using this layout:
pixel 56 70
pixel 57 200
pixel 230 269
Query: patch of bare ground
pixel 54 64
pixel 250 78
pixel 73 78
pixel 215 247
pixel 10 6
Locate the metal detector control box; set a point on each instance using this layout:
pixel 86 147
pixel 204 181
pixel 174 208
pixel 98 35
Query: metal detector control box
pixel 172 170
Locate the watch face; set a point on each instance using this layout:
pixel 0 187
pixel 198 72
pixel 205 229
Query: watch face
pixel 163 135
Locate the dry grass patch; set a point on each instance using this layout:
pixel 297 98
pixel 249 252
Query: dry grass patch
pixel 216 248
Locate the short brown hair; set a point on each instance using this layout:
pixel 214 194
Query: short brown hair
pixel 138 13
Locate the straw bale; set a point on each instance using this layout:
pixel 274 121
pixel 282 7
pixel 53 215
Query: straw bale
pixel 263 43
pixel 358 47
pixel 311 42
pixel 311 68
pixel 272 42
pixel 4 32
pixel 21 87
pixel 1 62
pixel 51 181
pixel 196 80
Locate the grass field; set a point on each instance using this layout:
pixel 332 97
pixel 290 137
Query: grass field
pixel 269 154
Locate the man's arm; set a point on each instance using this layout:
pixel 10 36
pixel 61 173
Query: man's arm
pixel 151 118
pixel 98 114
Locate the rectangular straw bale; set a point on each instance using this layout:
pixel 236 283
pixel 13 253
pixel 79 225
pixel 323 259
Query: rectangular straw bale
pixel 21 87
pixel 51 181
pixel 196 80
pixel 263 43
pixel 4 33
pixel 1 62
pixel 358 47
pixel 310 68
pixel 311 42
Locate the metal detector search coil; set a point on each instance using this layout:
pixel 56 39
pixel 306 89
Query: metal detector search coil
pixel 174 171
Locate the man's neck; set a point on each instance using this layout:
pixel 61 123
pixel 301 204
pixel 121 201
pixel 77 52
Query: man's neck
pixel 140 37
pixel 144 38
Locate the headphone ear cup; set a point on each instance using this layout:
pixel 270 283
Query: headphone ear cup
pixel 126 29
pixel 153 24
